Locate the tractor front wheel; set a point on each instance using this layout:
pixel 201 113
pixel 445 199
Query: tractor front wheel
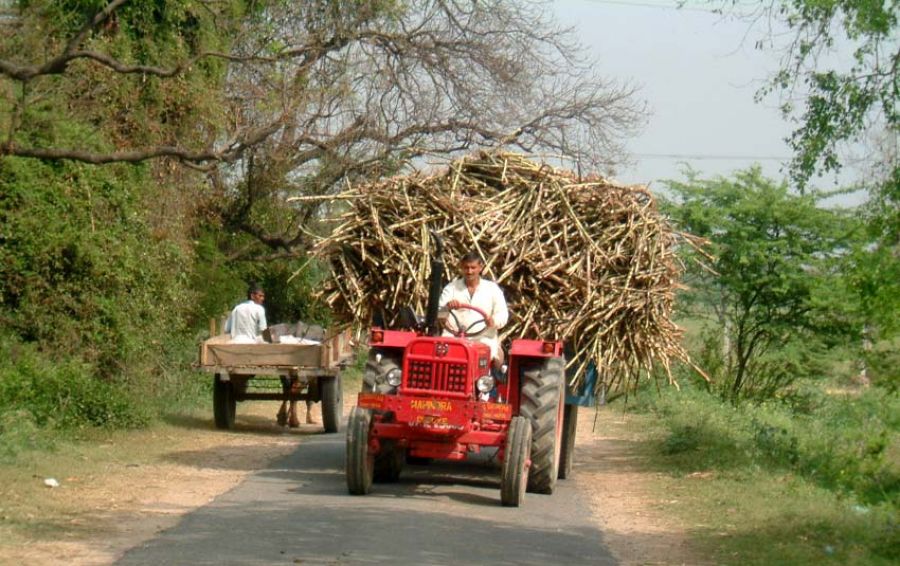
pixel 332 403
pixel 543 388
pixel 224 403
pixel 516 456
pixel 360 462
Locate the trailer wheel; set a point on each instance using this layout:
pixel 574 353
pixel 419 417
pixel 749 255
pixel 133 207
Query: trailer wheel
pixel 332 403
pixel 515 472
pixel 224 403
pixel 542 398
pixel 360 463
pixel 567 453
pixel 389 463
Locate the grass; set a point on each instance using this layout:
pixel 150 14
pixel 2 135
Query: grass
pixel 771 485
pixel 759 517
pixel 30 510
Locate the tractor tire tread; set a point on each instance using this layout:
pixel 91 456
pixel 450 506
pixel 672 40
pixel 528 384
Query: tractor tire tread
pixel 359 463
pixel 542 388
pixel 514 472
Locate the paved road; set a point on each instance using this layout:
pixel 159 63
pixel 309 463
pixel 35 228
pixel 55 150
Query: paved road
pixel 297 511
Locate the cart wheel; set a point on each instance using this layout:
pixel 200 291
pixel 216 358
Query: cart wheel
pixel 332 403
pixel 224 403
pixel 567 453
pixel 516 461
pixel 360 462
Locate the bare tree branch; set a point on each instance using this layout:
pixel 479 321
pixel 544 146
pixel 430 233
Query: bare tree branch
pixel 318 93
pixel 230 153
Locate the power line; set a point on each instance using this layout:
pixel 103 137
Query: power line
pixel 710 156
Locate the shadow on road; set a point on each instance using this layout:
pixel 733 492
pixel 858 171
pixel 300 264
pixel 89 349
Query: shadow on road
pixel 244 424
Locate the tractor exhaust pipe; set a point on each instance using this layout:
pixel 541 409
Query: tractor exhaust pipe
pixel 435 287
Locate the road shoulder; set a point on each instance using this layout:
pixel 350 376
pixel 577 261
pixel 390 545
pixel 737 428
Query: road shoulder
pixel 625 504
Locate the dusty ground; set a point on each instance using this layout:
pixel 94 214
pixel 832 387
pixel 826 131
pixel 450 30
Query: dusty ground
pixel 108 505
pixel 625 500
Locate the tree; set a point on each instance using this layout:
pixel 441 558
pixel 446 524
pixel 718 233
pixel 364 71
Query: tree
pixel 296 97
pixel 770 269
pixel 833 103
pixel 840 103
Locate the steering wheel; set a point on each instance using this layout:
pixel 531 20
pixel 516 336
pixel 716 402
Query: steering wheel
pixel 462 332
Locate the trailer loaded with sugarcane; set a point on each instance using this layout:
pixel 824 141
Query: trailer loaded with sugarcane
pixel 589 271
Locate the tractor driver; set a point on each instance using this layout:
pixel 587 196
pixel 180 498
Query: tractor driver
pixel 471 289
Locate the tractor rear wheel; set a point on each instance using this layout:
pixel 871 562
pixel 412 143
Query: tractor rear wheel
pixel 332 403
pixel 224 403
pixel 515 471
pixel 542 398
pixel 389 463
pixel 567 453
pixel 360 462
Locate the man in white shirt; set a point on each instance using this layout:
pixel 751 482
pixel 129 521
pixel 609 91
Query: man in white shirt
pixel 248 319
pixel 246 325
pixel 471 289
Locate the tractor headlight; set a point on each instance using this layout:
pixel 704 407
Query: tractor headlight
pixel 394 377
pixel 484 383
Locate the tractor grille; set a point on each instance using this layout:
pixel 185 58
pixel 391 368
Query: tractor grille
pixel 437 376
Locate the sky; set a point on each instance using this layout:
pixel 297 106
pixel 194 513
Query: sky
pixel 698 73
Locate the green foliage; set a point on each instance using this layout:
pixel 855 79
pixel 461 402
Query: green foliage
pixel 883 361
pixel 127 110
pixel 18 433
pixel 76 272
pixel 289 294
pixel 770 281
pixel 873 277
pixel 62 394
pixel 221 284
pixel 841 103
pixel 847 444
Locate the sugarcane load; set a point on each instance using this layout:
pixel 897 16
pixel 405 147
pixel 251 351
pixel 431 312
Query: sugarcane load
pixel 585 261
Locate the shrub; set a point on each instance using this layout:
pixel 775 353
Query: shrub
pixel 81 272
pixel 19 432
pixel 64 394
pixel 846 444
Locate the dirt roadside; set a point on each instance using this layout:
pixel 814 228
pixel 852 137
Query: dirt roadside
pixel 108 505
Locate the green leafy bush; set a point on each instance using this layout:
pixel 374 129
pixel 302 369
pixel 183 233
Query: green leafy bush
pixel 62 394
pixel 81 272
pixel 847 444
pixel 19 432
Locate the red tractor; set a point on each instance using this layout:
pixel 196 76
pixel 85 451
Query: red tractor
pixel 427 396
